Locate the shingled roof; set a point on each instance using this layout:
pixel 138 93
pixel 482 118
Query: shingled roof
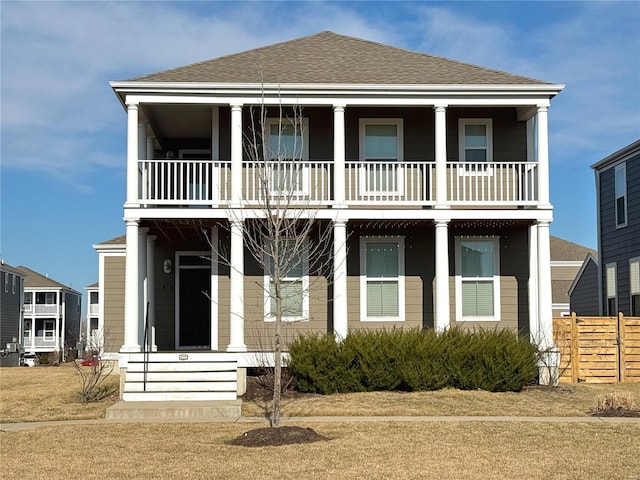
pixel 33 279
pixel 329 58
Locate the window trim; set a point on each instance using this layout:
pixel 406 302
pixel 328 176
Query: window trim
pixel 6 283
pixel 496 317
pixel 364 240
pixel 611 266
pixel 266 286
pixel 467 170
pixel 634 261
pixel 13 284
pixel 362 129
pixel 49 334
pixel 623 168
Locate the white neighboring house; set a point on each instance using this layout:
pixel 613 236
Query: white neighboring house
pixel 51 322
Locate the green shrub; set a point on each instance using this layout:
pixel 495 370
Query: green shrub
pixel 412 360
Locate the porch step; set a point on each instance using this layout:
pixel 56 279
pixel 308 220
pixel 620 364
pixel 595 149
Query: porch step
pixel 177 376
pixel 175 410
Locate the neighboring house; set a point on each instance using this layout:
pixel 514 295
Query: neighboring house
pixel 584 291
pixel 618 217
pixel 432 174
pixel 566 260
pixel 51 315
pixel 93 333
pixel 11 295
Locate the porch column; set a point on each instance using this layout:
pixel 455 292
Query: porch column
pixel 338 156
pixel 340 319
pixel 132 156
pixel 131 289
pixel 441 155
pixel 533 283
pixel 142 282
pixel 441 307
pixel 151 292
pixel 236 155
pixel 542 149
pixel 236 304
pixel 215 296
pixel 545 327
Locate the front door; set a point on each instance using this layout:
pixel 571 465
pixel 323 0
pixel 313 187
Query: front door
pixel 194 311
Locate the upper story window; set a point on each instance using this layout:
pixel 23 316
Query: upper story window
pixel 381 150
pixel 477 279
pixel 634 283
pixel 6 283
pixel 93 298
pixel 475 137
pixel 13 284
pixel 612 303
pixel 46 298
pixel 287 145
pixel 382 279
pixel 621 195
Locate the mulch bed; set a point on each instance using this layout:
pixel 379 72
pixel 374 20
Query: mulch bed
pixel 273 437
pixel 615 412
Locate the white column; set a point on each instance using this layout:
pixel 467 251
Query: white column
pixel 151 291
pixel 214 288
pixel 338 155
pixel 542 150
pixel 236 155
pixel 142 281
pixel 132 155
pixel 131 289
pixel 533 283
pixel 545 327
pixel 441 155
pixel 340 306
pixel 441 307
pixel 236 336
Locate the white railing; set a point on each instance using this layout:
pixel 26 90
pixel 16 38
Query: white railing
pixel 41 342
pixel 46 309
pixel 408 183
pixel 183 182
pixel 294 183
pixel 94 309
pixel 496 183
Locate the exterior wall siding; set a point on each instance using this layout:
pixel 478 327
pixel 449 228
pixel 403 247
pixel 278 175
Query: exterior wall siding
pixel 10 315
pixel 113 303
pixel 584 297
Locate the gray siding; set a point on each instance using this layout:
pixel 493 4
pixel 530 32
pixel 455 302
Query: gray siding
pixel 584 297
pixel 73 302
pixel 10 309
pixel 618 245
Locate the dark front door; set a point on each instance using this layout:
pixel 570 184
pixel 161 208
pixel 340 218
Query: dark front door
pixel 194 330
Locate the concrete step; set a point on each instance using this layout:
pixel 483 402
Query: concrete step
pixel 178 409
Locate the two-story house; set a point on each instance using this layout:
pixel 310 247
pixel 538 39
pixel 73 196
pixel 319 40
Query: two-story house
pixel 51 321
pixel 432 175
pixel 11 295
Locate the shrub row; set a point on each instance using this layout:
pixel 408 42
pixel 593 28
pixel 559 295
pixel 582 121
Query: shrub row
pixel 412 360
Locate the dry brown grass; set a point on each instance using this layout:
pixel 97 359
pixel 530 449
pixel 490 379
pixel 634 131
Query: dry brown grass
pixel 378 450
pixel 615 401
pixel 562 401
pixel 45 393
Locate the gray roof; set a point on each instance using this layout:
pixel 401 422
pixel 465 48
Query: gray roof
pixel 119 240
pixel 564 250
pixel 93 285
pixel 33 279
pixel 631 149
pixel 329 58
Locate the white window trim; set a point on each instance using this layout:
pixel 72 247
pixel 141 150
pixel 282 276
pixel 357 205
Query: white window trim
pixel 13 284
pixel 632 261
pixel 496 281
pixel 6 283
pixel 623 167
pixel 305 147
pixel 51 331
pixel 487 169
pixel 363 278
pixel 399 123
pixel 611 266
pixel 266 283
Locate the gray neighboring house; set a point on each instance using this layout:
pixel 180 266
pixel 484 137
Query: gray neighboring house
pixel 583 293
pixel 11 297
pixel 51 315
pixel 566 261
pixel 614 278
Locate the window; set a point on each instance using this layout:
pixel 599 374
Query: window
pixel 612 304
pixel 93 298
pixel 287 145
pixel 382 279
pixel 294 280
pixel 27 328
pixel 621 195
pixel 6 282
pixel 475 137
pixel 634 282
pixel 477 279
pixel 13 284
pixel 49 330
pixel 381 152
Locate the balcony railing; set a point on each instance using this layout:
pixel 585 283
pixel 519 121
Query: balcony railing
pixel 41 309
pixel 41 342
pixel 202 183
pixel 94 309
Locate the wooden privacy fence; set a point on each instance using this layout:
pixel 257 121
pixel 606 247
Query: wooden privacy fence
pixel 598 349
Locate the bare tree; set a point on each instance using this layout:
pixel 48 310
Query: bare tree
pixel 94 372
pixel 282 233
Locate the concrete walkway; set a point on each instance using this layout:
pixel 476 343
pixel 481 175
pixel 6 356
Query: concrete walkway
pixel 10 427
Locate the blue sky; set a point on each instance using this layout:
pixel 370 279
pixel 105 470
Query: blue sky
pixel 63 133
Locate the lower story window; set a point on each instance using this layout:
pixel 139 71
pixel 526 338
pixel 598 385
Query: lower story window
pixel 477 279
pixel 382 278
pixel 634 273
pixel 291 260
pixel 612 301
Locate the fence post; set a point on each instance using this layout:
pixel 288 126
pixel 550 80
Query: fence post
pixel 621 348
pixel 575 355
